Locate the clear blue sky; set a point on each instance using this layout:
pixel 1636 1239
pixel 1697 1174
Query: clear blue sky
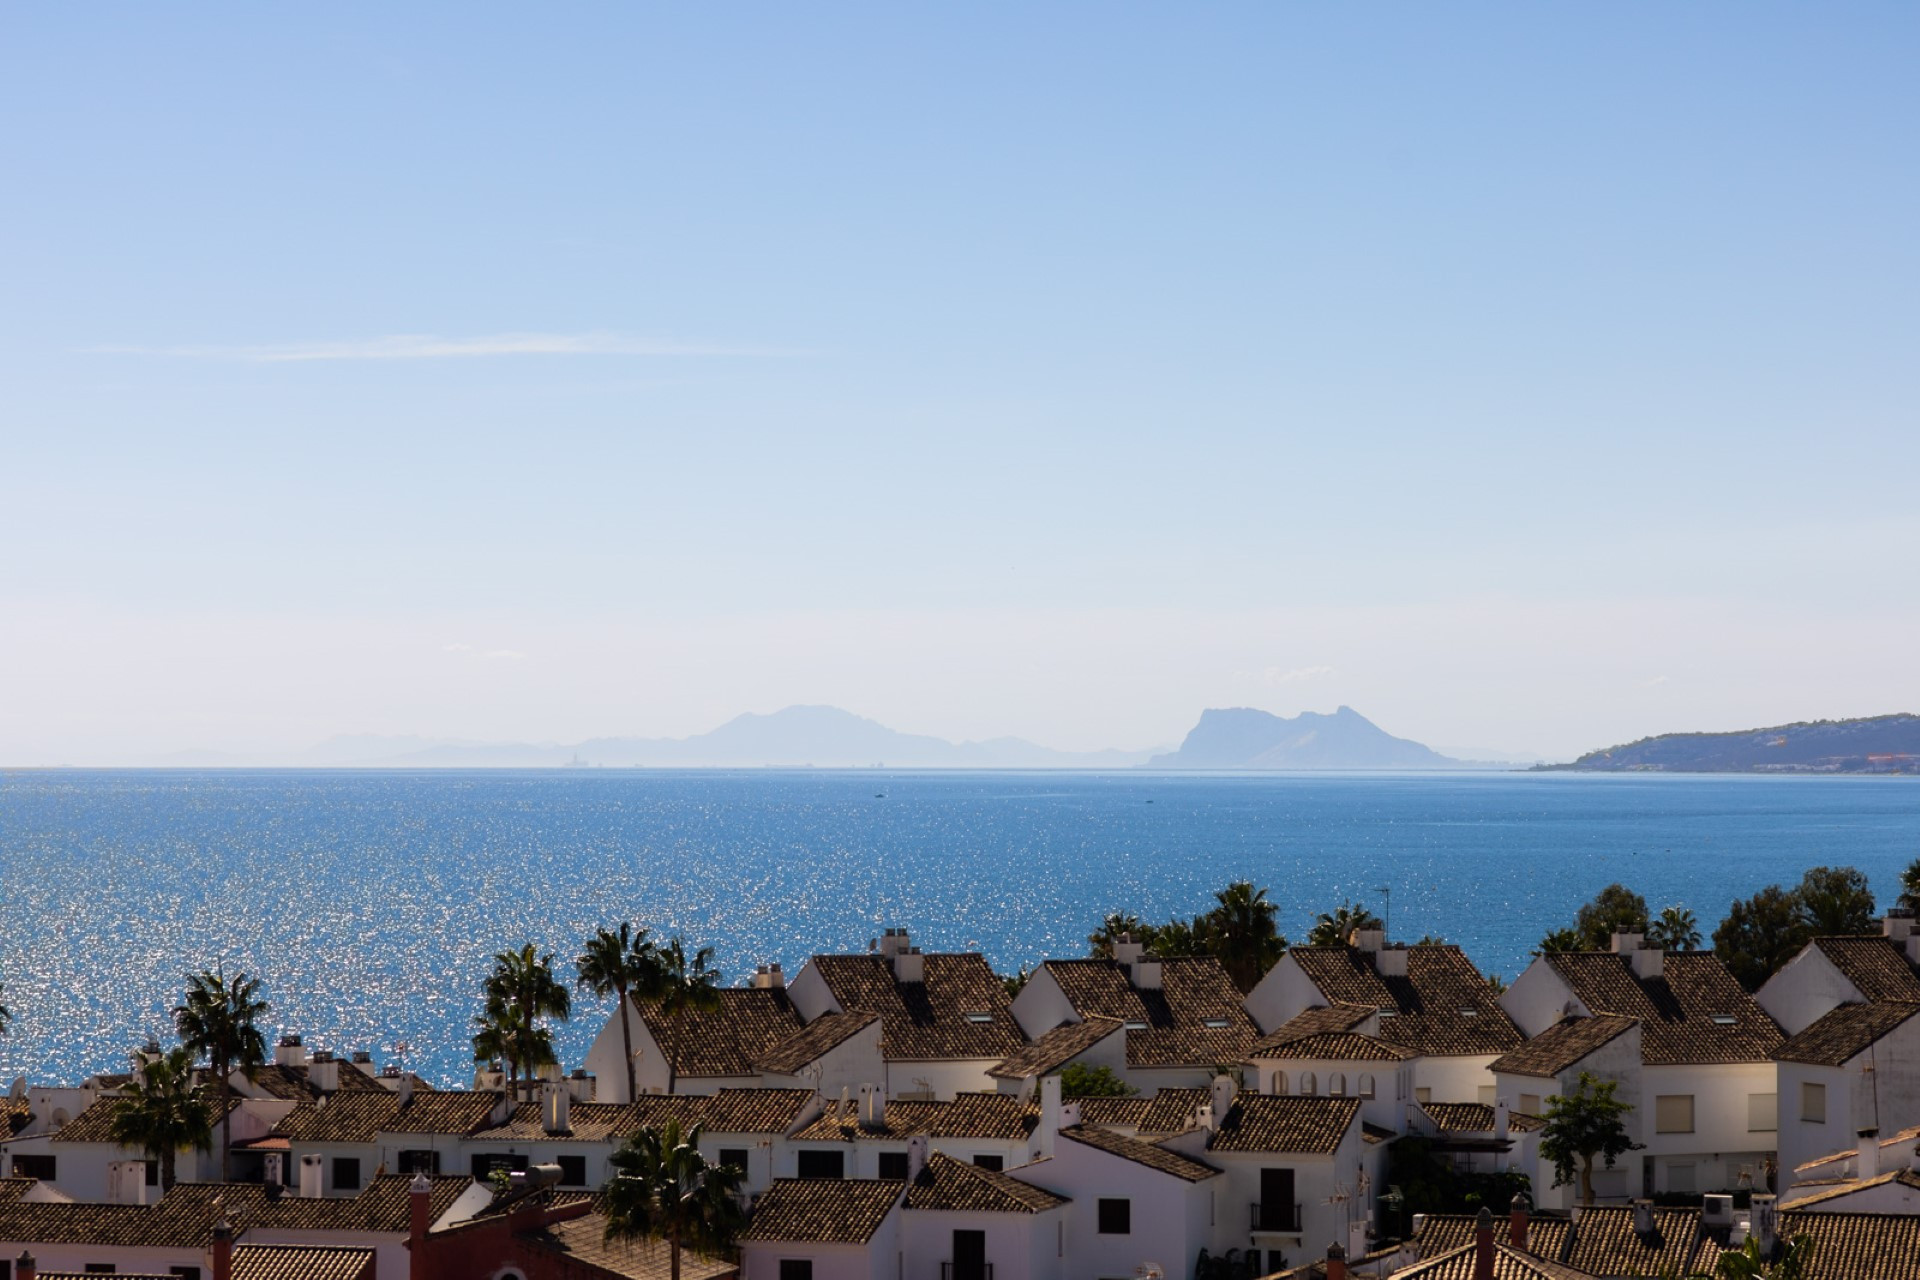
pixel 1526 376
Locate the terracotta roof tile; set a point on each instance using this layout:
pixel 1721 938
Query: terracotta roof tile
pixel 755 1110
pixel 183 1219
pixel 358 1117
pixel 1056 1048
pixel 1441 1006
pixel 1604 1241
pixel 1264 1122
pixel 1476 1117
pixel 383 1205
pixel 1124 1113
pixel 826 1032
pixel 1320 1021
pixel 968 1115
pixel 1444 1232
pixel 930 1020
pixel 822 1210
pixel 1839 1036
pixel 1877 967
pixel 302 1262
pixel 1905 1137
pixel 587 1122
pixel 1694 1012
pixel 1141 1153
pixel 1852 1186
pixel 1561 1045
pixel 749 1023
pixel 1858 1246
pixel 946 1183
pixel 1194 1018
pixel 1333 1046
pixel 583 1241
pixel 92 1124
pixel 295 1083
pixel 1508 1264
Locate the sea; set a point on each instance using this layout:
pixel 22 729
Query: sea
pixel 369 903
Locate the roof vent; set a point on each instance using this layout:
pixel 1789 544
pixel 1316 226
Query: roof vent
pixel 980 1017
pixel 1215 1024
pixel 1468 1011
pixel 1724 1020
pixel 1136 1026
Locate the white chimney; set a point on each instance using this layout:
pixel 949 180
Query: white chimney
pixel 1866 1161
pixel 1649 962
pixel 310 1183
pixel 1368 939
pixel 1126 950
pixel 323 1072
pixel 893 942
pixel 1050 1106
pixel 581 1085
pixel 404 1089
pixel 290 1052
pixel 276 1169
pixel 555 1100
pixel 768 977
pixel 1898 925
pixel 1391 962
pixel 1913 948
pixel 1069 1113
pixel 1643 1217
pixel 1625 941
pixel 909 966
pixel 916 1155
pixel 1224 1091
pixel 1765 1212
pixel 1146 974
pixel 127 1182
pixel 1502 1129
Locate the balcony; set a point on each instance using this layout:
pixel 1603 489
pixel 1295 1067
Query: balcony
pixel 1276 1217
pixel 966 1271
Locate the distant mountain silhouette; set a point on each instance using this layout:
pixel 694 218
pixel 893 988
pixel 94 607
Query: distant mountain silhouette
pixel 822 737
pixel 1879 744
pixel 1245 738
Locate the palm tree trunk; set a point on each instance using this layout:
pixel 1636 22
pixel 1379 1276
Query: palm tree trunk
pixel 673 1039
pixel 226 1121
pixel 166 1170
pixel 673 1242
pixel 626 1039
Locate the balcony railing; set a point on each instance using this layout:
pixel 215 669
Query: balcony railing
pixel 966 1271
pixel 1276 1217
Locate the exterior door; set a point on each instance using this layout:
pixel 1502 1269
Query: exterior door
pixel 969 1255
pixel 1276 1201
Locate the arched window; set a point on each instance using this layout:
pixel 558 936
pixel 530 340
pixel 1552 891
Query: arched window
pixel 1279 1082
pixel 1337 1085
pixel 1366 1086
pixel 1307 1083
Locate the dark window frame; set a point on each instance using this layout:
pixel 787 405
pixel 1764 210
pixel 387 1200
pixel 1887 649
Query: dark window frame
pixel 1114 1216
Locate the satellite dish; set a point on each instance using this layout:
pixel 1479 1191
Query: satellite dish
pixel 18 1088
pixel 1150 1271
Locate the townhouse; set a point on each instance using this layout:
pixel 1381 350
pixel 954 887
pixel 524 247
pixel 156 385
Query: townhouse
pixel 710 1050
pixel 870 1137
pixel 1337 1051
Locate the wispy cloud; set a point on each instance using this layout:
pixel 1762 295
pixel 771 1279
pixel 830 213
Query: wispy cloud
pixel 1657 680
pixel 477 652
pixel 1282 675
pixel 421 346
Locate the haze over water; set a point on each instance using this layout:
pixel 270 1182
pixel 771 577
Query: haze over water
pixel 370 902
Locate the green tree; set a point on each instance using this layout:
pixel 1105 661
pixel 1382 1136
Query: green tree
pixel 1177 938
pixel 1560 940
pixel 1676 929
pixel 221 1019
pixel 662 1188
pixel 522 993
pixel 1078 1080
pixel 502 1035
pixel 625 965
pixel 1794 1263
pixel 1909 898
pixel 1615 909
pixel 1334 928
pixel 1835 901
pixel 1117 925
pixel 1496 984
pixel 688 985
pixel 1759 935
pixel 6 1014
pixel 161 1111
pixel 1015 983
pixel 1581 1125
pixel 1240 931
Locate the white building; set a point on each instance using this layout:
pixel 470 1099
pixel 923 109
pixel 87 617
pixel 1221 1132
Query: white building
pixel 1338 1053
pixel 714 1050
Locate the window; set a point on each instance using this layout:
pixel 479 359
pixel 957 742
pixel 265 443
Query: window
pixel 1336 1085
pixel 417 1161
pixel 100 1269
pixel 796 1269
pixel 1673 1113
pixel 992 1164
pixel 735 1156
pixel 1529 1104
pixel 1116 1218
pixel 1813 1104
pixel 823 1164
pixel 1307 1083
pixel 1423 1095
pixel 41 1167
pixel 573 1170
pixel 1680 1179
pixel 1763 1113
pixel 153 1172
pixel 1366 1086
pixel 346 1173
pixel 1279 1082
pixel 1488 1095
pixel 185 1273
pixel 893 1166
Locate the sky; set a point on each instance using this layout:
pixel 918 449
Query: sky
pixel 1530 378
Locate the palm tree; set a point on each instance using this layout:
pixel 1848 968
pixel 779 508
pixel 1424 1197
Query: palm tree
pixel 520 992
pixel 621 964
pixel 1795 1260
pixel 688 984
pixel 1676 929
pixel 1334 928
pixel 1241 932
pixel 6 1014
pixel 220 1019
pixel 662 1188
pixel 1910 887
pixel 1114 926
pixel 161 1111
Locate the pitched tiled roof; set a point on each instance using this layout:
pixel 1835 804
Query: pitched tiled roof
pixel 1194 1018
pixel 1561 1045
pixel 1604 1241
pixel 1444 1232
pixel 295 1083
pixel 1905 1137
pixel 1263 1122
pixel 1141 1153
pixel 586 1122
pixel 183 1219
pixel 828 1031
pixel 1508 1264
pixel 932 1019
pixel 754 1110
pixel 1857 1246
pixel 357 1117
pixel 15 1115
pixel 946 1183
pixel 1877 967
pixel 1694 1012
pixel 1168 1111
pixel 1476 1117
pixel 1836 1038
pixel 1442 1006
pixel 383 1205
pixel 301 1262
pixel 1323 1020
pixel 14 1188
pixel 583 1241
pixel 822 1210
pixel 92 1124
pixel 1852 1186
pixel 728 1041
pixel 1124 1113
pixel 1334 1046
pixel 1056 1048
pixel 969 1115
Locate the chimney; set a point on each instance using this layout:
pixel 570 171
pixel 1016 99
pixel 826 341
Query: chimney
pixel 893 942
pixel 276 1169
pixel 1898 925
pixel 1517 1222
pixel 1336 1261
pixel 23 1268
pixel 1224 1092
pixel 127 1182
pixel 1765 1213
pixel 769 978
pixel 1483 1245
pixel 1391 962
pixel 1626 941
pixel 581 1085
pixel 554 1109
pixel 323 1072
pixel 1126 950
pixel 223 1250
pixel 909 966
pixel 1649 962
pixel 1145 974
pixel 1866 1161
pixel 404 1089
pixel 866 1107
pixel 419 1215
pixel 310 1184
pixel 1368 939
pixel 916 1155
pixel 1913 948
pixel 1643 1217
pixel 289 1052
pixel 1050 1106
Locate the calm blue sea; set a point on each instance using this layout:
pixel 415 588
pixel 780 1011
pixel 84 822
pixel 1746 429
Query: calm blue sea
pixel 372 901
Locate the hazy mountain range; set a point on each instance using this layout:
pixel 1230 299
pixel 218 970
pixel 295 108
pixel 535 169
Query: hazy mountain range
pixel 1877 744
pixel 1245 738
